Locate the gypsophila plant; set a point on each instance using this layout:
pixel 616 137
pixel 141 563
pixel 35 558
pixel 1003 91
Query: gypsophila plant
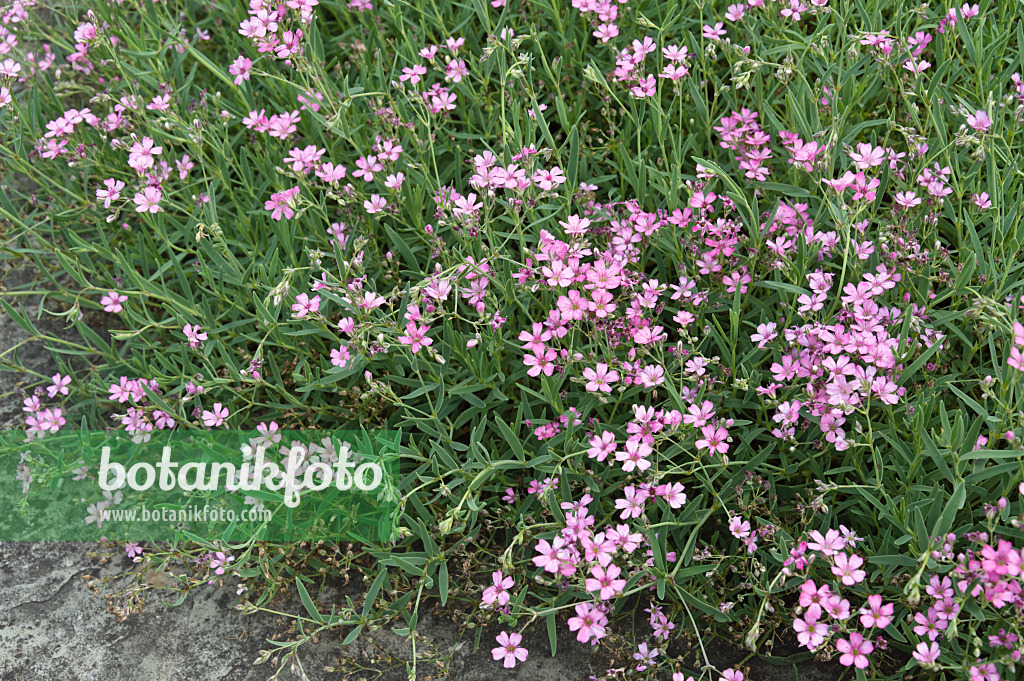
pixel 717 305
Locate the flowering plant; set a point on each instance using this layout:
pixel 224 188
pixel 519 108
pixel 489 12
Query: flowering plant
pixel 719 305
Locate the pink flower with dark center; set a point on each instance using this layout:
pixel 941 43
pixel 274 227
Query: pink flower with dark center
pixel 589 621
pixel 847 567
pixel 855 651
pixel 605 581
pixel 498 592
pixel 509 649
pixel 600 378
pixel 416 336
pixel 113 302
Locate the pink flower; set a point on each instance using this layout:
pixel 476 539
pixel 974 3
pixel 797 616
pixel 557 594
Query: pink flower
pixel 375 204
pixel 541 360
pixel 810 633
pixel 59 387
pixel 195 335
pixel 739 527
pixel 589 621
pixel 140 156
pixel 509 649
pixel 212 419
pixel 634 456
pixel 980 121
pixel 282 204
pixel 340 356
pixel 714 439
pixel 982 201
pixel 632 505
pixel 416 336
pixel 413 74
pixel 601 446
pixel 160 103
pixel 148 200
pixel 498 593
pixel 855 651
pixel 1016 359
pixel 875 613
pixel 112 302
pixel 604 580
pixel 366 166
pixel 926 654
pixel 847 567
pixel 713 32
pixel 600 378
pixel 305 305
pixel 828 545
pixel 240 69
pixel 111 192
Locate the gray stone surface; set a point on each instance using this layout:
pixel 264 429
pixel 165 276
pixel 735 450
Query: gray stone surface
pixel 52 627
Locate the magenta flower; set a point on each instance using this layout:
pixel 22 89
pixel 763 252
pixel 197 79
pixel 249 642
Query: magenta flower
pixel 113 302
pixel 509 649
pixel 416 336
pixel 847 567
pixel 195 335
pixel 590 622
pixel 600 378
pixel 305 305
pixel 498 593
pixel 282 204
pixel 855 651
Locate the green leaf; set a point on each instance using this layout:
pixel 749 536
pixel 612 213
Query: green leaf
pixel 442 581
pixel 371 595
pixel 307 602
pixel 552 633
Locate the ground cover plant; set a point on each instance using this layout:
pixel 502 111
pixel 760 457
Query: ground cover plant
pixel 718 305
